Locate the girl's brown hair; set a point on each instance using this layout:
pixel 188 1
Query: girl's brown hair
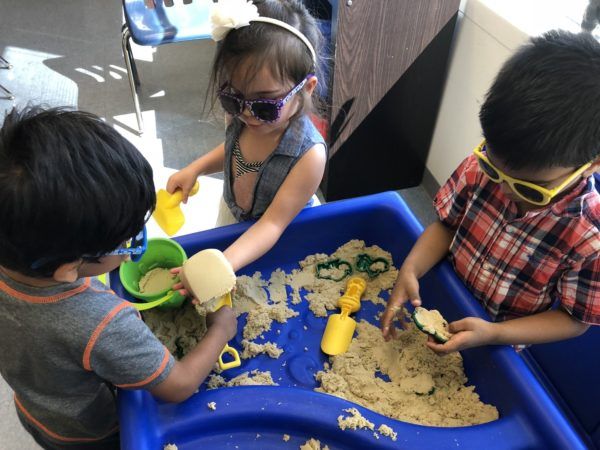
pixel 266 45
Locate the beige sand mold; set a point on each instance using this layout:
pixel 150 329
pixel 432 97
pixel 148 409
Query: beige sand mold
pixel 207 275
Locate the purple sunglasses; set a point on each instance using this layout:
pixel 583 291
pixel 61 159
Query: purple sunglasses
pixel 264 109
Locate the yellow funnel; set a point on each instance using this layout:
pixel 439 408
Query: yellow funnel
pixel 168 212
pixel 340 327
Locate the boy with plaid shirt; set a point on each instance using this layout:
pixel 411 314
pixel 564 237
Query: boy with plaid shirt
pixel 520 217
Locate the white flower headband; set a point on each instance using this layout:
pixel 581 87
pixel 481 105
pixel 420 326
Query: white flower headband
pixel 229 14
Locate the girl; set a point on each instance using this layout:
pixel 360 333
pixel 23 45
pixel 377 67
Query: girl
pixel 273 158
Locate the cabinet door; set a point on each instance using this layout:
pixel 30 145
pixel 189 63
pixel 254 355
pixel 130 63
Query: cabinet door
pixel 375 42
pixel 389 71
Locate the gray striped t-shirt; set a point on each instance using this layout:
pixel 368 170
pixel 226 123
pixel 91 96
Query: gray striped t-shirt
pixel 64 348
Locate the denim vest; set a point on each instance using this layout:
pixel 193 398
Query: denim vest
pixel 300 136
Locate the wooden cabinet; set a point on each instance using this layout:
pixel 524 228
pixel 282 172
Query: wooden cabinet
pixel 389 66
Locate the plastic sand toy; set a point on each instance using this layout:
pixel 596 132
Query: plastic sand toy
pixel 431 322
pixel 208 275
pixel 340 327
pixel 168 214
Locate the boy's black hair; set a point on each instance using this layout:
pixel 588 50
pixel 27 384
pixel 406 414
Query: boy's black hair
pixel 543 109
pixel 70 186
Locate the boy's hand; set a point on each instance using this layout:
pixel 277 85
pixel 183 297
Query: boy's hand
pixel 467 333
pixel 184 180
pixel 224 319
pixel 406 288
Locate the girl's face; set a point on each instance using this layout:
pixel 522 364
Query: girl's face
pixel 265 86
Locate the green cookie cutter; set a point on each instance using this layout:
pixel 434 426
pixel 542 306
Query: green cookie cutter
pixel 333 264
pixel 364 263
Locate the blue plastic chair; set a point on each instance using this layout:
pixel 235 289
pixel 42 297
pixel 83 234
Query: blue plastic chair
pixel 167 22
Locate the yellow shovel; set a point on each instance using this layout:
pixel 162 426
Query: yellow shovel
pixel 208 275
pixel 340 327
pixel 168 212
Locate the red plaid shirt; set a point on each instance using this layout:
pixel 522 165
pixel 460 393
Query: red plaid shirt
pixel 518 266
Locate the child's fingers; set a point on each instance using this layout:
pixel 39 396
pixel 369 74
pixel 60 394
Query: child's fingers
pixel 443 349
pixel 460 325
pixel 172 185
pixel 175 270
pixel 415 302
pixel 386 323
pixel 185 193
pixel 387 326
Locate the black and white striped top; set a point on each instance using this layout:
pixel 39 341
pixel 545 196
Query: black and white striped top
pixel 241 165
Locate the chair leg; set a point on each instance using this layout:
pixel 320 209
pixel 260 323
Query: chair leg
pixel 134 70
pixel 130 75
pixel 129 53
pixel 4 64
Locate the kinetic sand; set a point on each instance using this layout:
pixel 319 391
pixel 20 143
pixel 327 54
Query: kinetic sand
pixel 313 444
pixel 156 280
pixel 423 387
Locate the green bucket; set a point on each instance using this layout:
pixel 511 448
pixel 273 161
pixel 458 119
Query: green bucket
pixel 160 252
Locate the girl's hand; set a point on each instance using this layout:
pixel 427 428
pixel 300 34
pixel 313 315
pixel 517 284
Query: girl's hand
pixel 467 333
pixel 184 180
pixel 406 288
pixel 179 285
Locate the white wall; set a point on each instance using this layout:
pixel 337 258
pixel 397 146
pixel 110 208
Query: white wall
pixel 487 33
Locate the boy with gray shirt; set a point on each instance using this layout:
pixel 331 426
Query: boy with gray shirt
pixel 72 190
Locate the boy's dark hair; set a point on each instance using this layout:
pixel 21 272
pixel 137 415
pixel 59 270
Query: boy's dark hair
pixel 70 186
pixel 543 109
pixel 270 46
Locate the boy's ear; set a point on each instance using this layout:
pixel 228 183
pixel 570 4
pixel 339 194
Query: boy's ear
pixel 67 272
pixel 595 167
pixel 311 84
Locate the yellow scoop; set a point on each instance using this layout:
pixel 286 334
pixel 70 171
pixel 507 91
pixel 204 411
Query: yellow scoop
pixel 208 275
pixel 168 212
pixel 340 327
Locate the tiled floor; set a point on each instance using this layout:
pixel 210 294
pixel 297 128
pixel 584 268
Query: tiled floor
pixel 68 53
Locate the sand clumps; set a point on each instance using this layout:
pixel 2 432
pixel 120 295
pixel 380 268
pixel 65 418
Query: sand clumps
pixel 250 297
pixel 179 329
pixel 354 421
pixel 423 387
pixel 254 378
pixel 156 280
pixel 323 293
pixel 252 349
pixel 313 444
pixel 401 379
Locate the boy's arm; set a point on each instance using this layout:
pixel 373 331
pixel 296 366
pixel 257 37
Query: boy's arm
pixel 295 192
pixel 188 374
pixel 541 328
pixel 429 249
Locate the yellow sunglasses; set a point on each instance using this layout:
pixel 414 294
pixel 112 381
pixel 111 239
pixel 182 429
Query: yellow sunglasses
pixel 530 192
